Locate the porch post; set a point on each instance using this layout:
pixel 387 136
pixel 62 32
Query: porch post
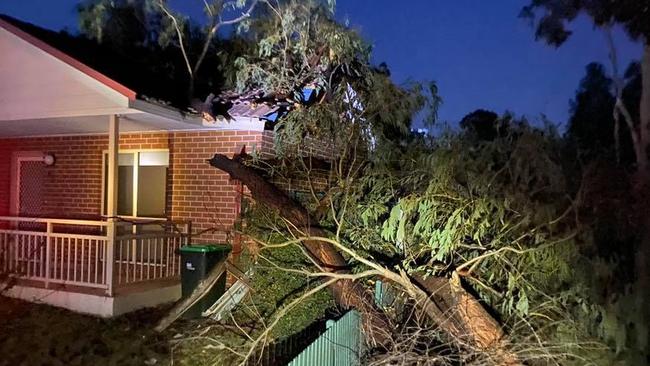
pixel 111 197
pixel 48 256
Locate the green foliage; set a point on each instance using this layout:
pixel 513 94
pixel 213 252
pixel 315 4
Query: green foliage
pixel 274 289
pixel 498 212
pixel 300 45
pixel 296 43
pixel 277 280
pixel 456 203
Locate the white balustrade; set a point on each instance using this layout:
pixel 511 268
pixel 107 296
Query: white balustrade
pixel 74 252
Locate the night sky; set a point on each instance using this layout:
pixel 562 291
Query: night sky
pixel 479 52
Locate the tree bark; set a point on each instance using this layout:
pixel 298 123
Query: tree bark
pixel 448 305
pixel 465 319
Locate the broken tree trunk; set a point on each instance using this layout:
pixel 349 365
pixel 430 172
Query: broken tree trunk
pixel 446 303
pixel 465 319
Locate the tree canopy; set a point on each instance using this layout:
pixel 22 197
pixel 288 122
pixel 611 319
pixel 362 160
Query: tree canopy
pixel 552 25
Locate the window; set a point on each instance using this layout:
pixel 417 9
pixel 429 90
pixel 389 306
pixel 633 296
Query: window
pixel 142 183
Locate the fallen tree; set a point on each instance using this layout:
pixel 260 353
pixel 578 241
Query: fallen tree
pixel 347 294
pixel 458 314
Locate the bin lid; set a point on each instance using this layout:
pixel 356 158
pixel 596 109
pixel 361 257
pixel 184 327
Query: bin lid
pixel 206 248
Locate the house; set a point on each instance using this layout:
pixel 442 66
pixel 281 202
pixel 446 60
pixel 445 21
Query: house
pixel 99 186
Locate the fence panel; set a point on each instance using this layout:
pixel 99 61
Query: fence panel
pixel 340 345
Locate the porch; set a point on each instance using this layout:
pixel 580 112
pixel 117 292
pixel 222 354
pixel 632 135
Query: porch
pixel 84 266
pixel 98 184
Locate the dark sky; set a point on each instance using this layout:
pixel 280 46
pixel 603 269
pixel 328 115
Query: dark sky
pixel 479 52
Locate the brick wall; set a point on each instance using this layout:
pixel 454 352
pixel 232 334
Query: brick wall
pixel 196 191
pixel 200 192
pixel 73 185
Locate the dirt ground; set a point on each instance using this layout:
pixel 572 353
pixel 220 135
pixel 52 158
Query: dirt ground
pixel 35 335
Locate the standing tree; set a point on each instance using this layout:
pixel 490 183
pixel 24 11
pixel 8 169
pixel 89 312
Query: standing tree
pixel 589 130
pixel 633 16
pixel 154 22
pixel 591 124
pixel 484 125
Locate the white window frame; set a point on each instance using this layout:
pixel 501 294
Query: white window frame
pixel 136 167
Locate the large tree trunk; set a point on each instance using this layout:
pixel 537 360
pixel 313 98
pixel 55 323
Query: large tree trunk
pixel 446 303
pixel 462 316
pixel 347 293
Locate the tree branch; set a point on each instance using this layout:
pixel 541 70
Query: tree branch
pixel 179 33
pixel 215 27
pixel 620 108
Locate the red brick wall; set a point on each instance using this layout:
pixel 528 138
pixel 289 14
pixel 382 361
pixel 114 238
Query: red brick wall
pixel 196 191
pixel 73 185
pixel 200 192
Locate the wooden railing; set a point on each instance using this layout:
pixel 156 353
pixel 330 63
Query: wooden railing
pixel 75 252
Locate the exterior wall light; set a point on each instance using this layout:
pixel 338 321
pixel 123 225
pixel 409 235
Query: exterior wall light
pixel 48 159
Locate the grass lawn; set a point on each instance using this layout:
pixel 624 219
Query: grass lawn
pixel 33 334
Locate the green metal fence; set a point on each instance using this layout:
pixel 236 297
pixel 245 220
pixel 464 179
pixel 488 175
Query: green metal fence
pixel 340 345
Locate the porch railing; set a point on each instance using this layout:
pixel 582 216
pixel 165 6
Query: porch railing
pixel 74 252
pixel 150 251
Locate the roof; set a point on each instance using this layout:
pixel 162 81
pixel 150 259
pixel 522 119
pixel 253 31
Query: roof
pixel 132 75
pixel 127 72
pixel 253 104
pixel 67 59
pixel 46 92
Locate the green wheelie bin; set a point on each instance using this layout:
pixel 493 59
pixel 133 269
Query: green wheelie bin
pixel 196 263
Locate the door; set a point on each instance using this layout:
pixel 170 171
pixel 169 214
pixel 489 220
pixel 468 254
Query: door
pixel 30 188
pixel 28 178
pixel 27 184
